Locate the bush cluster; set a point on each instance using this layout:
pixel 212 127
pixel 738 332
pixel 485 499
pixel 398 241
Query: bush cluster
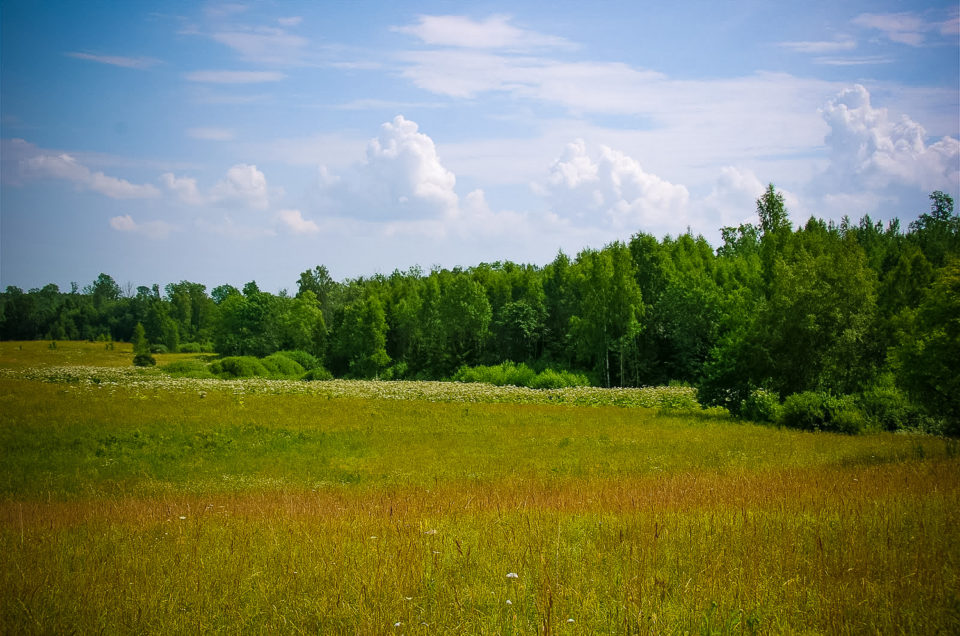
pixel 511 374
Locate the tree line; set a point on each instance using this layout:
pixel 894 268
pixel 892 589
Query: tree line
pixel 836 309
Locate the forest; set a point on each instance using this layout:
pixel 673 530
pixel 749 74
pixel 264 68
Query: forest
pixel 823 325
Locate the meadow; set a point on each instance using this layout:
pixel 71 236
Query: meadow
pixel 131 501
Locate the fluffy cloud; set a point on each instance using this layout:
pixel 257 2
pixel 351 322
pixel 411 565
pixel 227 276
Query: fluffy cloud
pixel 244 184
pixel 870 150
pixel 493 33
pixel 293 221
pixel 615 188
pixel 66 167
pixel 150 229
pixel 401 177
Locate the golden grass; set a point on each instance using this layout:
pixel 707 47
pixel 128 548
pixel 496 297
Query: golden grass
pixel 151 508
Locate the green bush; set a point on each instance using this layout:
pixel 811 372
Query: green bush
pixel 509 373
pixel 190 347
pixel 188 369
pixel 159 348
pixel 813 411
pixel 550 379
pixel 761 406
pixel 144 360
pixel 304 359
pixel 317 373
pixel 239 367
pixel 281 366
pixel 889 408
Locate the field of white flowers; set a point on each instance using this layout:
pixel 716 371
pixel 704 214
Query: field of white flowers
pixel 668 398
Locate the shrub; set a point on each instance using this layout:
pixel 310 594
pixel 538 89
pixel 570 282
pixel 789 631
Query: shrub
pixel 159 348
pixel 144 360
pixel 761 406
pixel 509 373
pixel 304 359
pixel 191 347
pixel 550 379
pixel 281 366
pixel 889 408
pixel 188 369
pixel 316 373
pixel 239 367
pixel 813 411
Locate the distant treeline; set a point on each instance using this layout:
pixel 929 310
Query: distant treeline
pixel 824 311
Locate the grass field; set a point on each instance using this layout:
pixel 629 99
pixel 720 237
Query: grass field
pixel 133 503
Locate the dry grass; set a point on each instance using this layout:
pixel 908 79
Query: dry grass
pixel 153 509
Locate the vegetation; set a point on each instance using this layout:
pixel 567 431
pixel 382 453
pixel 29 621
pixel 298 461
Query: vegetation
pixel 131 500
pixel 859 313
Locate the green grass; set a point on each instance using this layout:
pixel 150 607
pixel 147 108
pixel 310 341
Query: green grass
pixel 140 503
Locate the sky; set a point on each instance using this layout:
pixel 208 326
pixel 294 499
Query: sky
pixel 226 142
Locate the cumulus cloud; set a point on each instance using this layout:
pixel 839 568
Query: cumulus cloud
pixel 870 149
pixel 244 184
pixel 400 177
pixel 66 167
pixel 495 32
pixel 150 229
pixel 293 221
pixel 615 189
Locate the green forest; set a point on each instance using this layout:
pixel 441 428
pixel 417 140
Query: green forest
pixel 822 326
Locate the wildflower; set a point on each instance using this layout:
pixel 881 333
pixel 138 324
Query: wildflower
pixel 513 575
pixel 182 517
pixel 397 624
pixel 509 602
pixel 570 620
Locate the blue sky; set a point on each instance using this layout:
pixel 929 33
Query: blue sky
pixel 227 142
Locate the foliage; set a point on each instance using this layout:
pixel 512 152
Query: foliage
pixel 281 366
pixel 239 367
pixel 823 307
pixel 316 373
pixel 761 406
pixel 144 360
pixel 511 374
pixel 814 411
pixel 304 359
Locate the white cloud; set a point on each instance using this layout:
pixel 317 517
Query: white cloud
pixel 291 21
pixel 244 184
pixel 869 149
pixel 732 200
pixel 400 177
pixel 212 134
pixel 293 220
pixel 66 167
pixel 823 46
pixel 264 45
pixel 615 190
pixel 905 28
pixel 184 187
pixel 150 229
pixel 495 32
pixel 234 77
pixel 116 60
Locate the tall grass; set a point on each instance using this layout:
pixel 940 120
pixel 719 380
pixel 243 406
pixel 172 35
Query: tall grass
pixel 136 506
